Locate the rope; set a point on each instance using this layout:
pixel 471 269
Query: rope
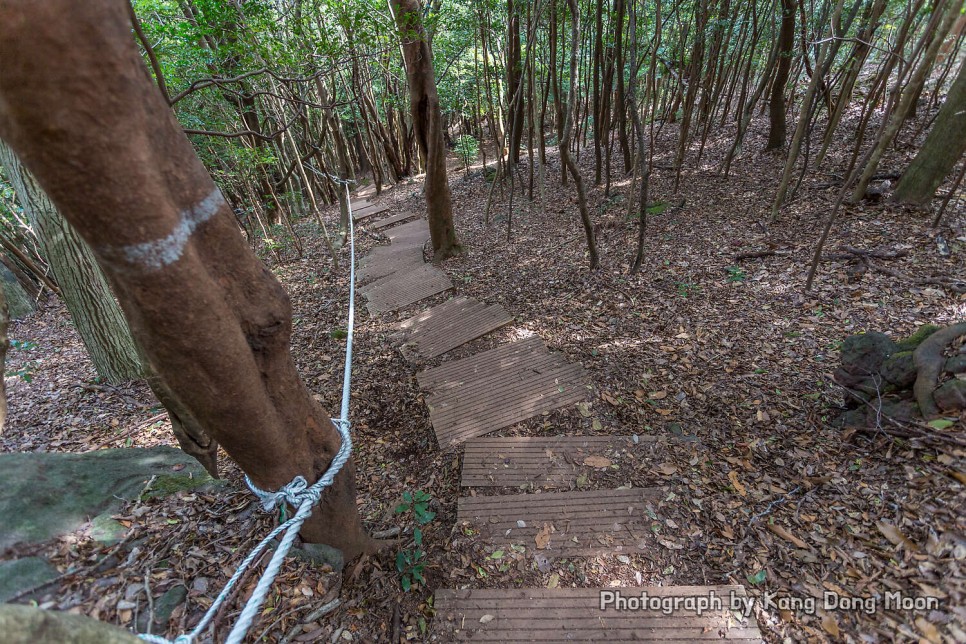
pixel 297 493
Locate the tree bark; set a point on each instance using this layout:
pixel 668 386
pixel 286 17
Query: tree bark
pixel 428 126
pixel 96 315
pixel 776 106
pixel 566 159
pixel 4 343
pixel 943 147
pixel 79 108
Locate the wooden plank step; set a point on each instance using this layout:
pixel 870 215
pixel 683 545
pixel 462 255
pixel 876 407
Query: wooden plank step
pixel 414 229
pixel 358 214
pixel 578 523
pixel 389 221
pixel 404 288
pixel 575 615
pixel 404 272
pixel 554 461
pixel 379 263
pixel 455 373
pixel 503 397
pixel 449 325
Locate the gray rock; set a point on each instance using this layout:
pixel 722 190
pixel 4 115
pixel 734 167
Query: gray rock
pixel 956 364
pixel 899 369
pixel 951 395
pixel 899 409
pixel 864 354
pixel 319 554
pixel 106 530
pixel 29 625
pixel 163 608
pixel 20 574
pixel 46 495
pixel 852 418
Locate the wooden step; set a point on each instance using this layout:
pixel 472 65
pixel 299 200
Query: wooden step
pixel 578 523
pixel 551 462
pixel 455 373
pixel 498 388
pixel 414 230
pixel 389 221
pixel 449 325
pixel 369 210
pixel 380 263
pixel 575 615
pixel 404 288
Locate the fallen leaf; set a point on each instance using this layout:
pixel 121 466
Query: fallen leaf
pixel 739 488
pixel 667 469
pixel 486 619
pixel 542 538
pixel 597 461
pixel 665 412
pixel 657 395
pixel 895 536
pixel 927 629
pixel 554 581
pixel 830 625
pixel 584 409
pixel 783 532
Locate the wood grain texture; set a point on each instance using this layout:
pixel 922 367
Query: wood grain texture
pixel 442 328
pixel 575 615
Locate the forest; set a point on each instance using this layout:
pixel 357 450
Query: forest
pixel 428 320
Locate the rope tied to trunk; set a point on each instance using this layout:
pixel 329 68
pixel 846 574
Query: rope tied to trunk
pixel 297 493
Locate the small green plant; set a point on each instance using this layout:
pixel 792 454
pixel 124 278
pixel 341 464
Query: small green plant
pixel 411 563
pixel 468 148
pixel 686 288
pixel 23 345
pixel 735 274
pixel 25 372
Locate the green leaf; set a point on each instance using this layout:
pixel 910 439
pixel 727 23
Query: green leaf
pixel 757 578
pixel 941 423
pixel 497 554
pixel 418 536
pixel 406 583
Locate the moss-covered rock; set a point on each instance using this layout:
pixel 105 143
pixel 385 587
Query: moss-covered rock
pixel 863 354
pixel 43 495
pixel 910 343
pixel 29 625
pixel 900 369
pixel 956 364
pixel 951 395
pixel 20 574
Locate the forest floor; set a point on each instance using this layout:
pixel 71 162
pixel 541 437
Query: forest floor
pixel 726 364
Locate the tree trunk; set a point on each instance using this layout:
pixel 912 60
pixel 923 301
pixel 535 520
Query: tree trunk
pixel 514 77
pixel 4 320
pixel 943 147
pixel 78 107
pixel 776 106
pixel 428 126
pixel 95 314
pixel 909 94
pixel 567 160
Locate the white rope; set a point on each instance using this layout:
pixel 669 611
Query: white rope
pixel 298 493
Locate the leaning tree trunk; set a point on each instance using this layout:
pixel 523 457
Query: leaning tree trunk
pixel 77 105
pixel 427 125
pixel 96 315
pixel 943 147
